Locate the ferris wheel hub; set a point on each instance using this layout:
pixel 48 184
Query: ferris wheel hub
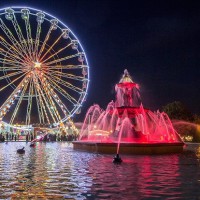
pixel 37 65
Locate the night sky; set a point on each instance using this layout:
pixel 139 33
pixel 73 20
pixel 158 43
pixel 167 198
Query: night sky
pixel 157 41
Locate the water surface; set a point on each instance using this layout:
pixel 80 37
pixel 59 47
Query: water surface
pixel 56 171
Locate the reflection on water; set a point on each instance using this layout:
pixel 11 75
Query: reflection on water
pixel 56 171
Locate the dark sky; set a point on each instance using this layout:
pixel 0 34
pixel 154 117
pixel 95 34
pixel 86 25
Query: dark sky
pixel 157 41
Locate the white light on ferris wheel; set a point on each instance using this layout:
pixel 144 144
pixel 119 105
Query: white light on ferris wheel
pixel 46 67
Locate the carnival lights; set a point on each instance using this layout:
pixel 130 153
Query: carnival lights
pixel 44 63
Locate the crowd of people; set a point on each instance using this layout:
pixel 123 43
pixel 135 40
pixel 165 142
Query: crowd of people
pixel 2 138
pixel 29 137
pixel 49 137
pixel 9 137
pixel 59 137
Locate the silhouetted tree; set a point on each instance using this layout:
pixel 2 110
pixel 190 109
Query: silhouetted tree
pixel 197 119
pixel 177 110
pixel 197 132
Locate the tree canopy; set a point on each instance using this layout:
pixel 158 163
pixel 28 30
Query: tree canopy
pixel 177 110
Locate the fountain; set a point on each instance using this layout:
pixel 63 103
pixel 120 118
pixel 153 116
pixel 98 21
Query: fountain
pixel 127 127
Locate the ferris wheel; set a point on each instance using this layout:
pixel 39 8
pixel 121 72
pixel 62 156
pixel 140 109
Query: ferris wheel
pixel 44 73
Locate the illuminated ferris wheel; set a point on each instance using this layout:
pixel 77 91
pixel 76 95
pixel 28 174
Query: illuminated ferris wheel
pixel 44 70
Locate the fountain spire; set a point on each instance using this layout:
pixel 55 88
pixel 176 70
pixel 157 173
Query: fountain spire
pixel 127 93
pixel 126 78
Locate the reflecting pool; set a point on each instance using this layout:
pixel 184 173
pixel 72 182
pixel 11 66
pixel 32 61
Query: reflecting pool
pixel 56 171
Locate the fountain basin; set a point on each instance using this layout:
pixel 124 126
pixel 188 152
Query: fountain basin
pixel 129 148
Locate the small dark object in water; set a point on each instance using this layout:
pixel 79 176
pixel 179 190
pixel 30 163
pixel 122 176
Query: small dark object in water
pixel 117 159
pixel 21 151
pixel 32 145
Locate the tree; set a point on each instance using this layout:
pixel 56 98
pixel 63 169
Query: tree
pixel 184 122
pixel 177 110
pixel 197 119
pixel 197 132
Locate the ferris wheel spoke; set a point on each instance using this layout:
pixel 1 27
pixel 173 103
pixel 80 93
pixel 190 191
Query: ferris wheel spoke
pixel 66 96
pixel 7 104
pixel 41 101
pixel 25 16
pixel 29 37
pixel 10 75
pixel 58 100
pixel 62 91
pixel 12 68
pixel 48 105
pixel 62 59
pixel 55 67
pixel 7 61
pixel 66 75
pixel 45 41
pixel 52 93
pixel 11 57
pixel 47 102
pixel 8 69
pixel 20 36
pixel 48 93
pixel 10 36
pixel 54 109
pixel 64 83
pixel 37 40
pixel 49 49
pixel 10 61
pixel 6 44
pixel 12 49
pixel 17 29
pixel 19 102
pixel 12 82
pixel 40 106
pixel 51 104
pixel 56 53
pixel 29 106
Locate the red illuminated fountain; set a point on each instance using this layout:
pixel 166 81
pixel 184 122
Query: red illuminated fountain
pixel 127 127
